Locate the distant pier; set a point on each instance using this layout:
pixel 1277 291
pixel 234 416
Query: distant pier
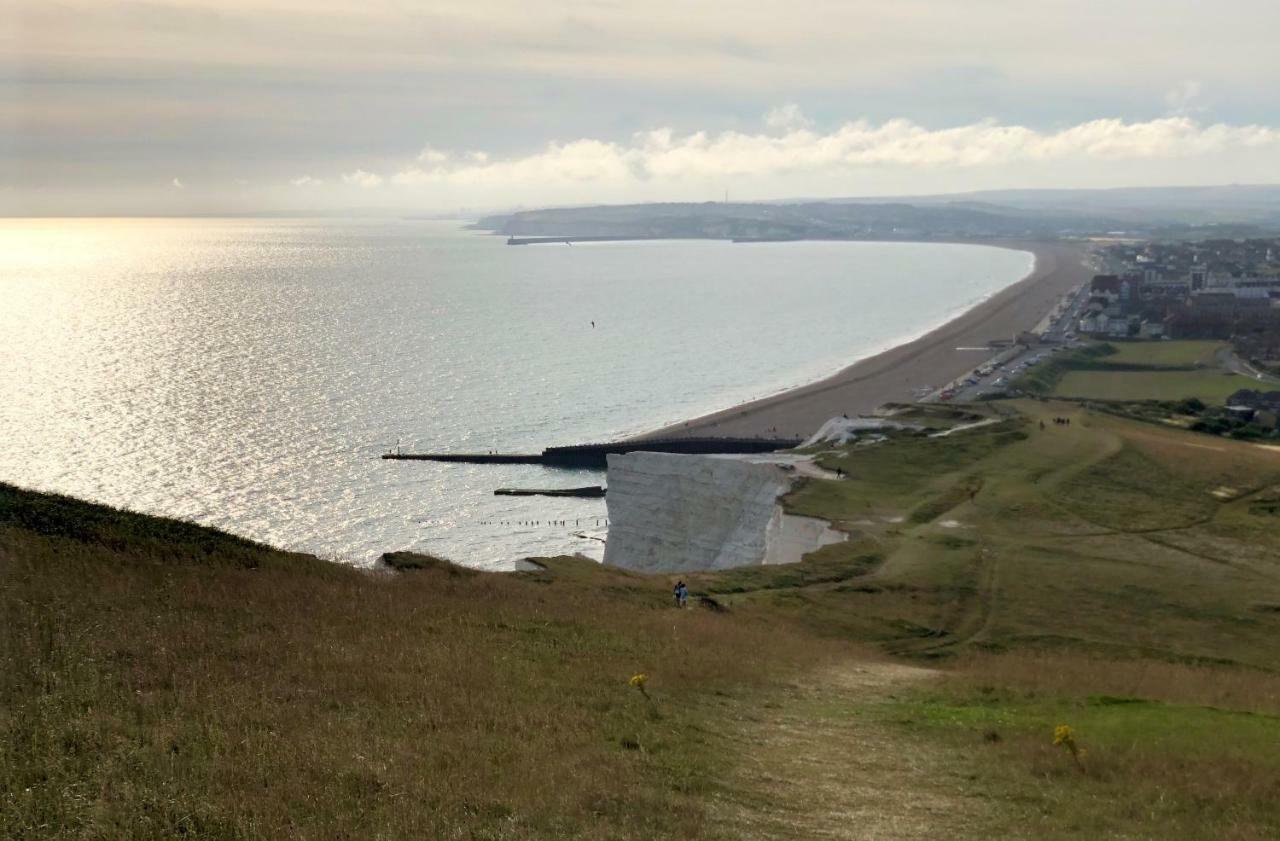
pixel 570 240
pixel 468 458
pixel 595 456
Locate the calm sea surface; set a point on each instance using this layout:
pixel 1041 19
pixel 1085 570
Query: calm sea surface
pixel 246 374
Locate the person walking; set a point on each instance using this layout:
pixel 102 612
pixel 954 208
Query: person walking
pixel 681 593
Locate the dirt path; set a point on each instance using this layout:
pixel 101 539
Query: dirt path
pixel 1072 450
pixel 819 766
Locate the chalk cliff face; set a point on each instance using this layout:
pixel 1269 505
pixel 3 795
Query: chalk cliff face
pixel 670 512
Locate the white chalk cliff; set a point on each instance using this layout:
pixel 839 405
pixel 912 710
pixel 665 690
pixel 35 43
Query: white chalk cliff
pixel 670 512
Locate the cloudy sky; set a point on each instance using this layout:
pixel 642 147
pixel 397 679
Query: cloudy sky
pixel 197 106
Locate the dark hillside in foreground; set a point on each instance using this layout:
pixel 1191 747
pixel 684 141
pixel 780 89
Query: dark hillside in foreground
pixel 161 679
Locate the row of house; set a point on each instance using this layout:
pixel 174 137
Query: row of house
pixel 1257 407
pixel 1217 289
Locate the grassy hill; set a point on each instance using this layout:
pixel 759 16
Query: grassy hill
pixel 1011 534
pixel 1122 578
pixel 160 679
pixel 1112 575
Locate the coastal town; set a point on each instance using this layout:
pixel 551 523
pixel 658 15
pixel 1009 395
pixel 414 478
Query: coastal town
pixel 1213 289
pixel 1220 296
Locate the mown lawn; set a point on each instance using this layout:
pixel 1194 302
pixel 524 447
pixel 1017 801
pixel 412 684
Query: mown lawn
pixel 1209 386
pixel 1182 353
pixel 1134 371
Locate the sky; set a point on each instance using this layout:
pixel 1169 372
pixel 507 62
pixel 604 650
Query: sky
pixel 456 107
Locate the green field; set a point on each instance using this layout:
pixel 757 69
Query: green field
pixel 1209 386
pixel 1133 371
pixel 1164 353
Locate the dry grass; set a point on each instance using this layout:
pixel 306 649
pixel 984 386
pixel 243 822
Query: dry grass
pixel 212 688
pixel 1071 674
pixel 1170 751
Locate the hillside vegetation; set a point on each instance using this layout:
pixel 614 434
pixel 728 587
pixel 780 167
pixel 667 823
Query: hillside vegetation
pixel 159 679
pixel 1112 575
pixel 1121 578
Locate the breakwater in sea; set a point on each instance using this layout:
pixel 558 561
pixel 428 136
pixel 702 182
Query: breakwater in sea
pixel 595 456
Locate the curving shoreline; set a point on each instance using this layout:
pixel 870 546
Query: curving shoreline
pixel 893 374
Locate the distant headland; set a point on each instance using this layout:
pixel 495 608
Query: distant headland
pixel 1148 213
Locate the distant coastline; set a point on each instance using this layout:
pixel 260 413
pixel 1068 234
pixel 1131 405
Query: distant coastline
pixel 894 374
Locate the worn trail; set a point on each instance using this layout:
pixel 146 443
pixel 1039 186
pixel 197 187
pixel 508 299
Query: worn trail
pixel 820 766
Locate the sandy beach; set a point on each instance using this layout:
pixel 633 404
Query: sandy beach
pixel 893 375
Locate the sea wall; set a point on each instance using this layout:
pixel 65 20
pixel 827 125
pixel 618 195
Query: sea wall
pixel 670 512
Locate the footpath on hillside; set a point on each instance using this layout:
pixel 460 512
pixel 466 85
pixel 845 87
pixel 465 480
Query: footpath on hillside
pixel 821 765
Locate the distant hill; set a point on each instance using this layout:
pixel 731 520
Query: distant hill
pixel 1157 212
pixel 1257 204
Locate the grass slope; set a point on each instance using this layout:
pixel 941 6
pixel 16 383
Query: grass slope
pixel 1111 575
pixel 1119 577
pixel 160 679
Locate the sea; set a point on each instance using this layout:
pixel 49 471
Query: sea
pixel 249 373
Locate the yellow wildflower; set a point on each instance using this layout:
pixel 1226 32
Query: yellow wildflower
pixel 1065 737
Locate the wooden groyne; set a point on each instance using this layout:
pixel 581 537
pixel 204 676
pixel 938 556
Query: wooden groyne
pixel 589 492
pixel 595 456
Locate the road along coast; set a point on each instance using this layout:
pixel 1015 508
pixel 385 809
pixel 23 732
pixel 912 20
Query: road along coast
pixel 894 375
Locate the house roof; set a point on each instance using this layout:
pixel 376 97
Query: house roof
pixel 1105 283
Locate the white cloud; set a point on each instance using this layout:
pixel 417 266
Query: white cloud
pixel 306 181
pixel 360 178
pixel 432 156
pixel 1183 97
pixel 177 183
pixel 787 117
pixel 664 157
